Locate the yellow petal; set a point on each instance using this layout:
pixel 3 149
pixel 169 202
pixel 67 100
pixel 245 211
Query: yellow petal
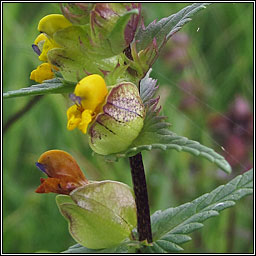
pixel 86 119
pixel 74 117
pixel 48 45
pixel 42 72
pixel 52 23
pixel 41 37
pixel 92 90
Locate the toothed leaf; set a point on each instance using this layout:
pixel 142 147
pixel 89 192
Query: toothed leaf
pixel 124 247
pixel 149 41
pixel 171 226
pixel 166 27
pixel 155 133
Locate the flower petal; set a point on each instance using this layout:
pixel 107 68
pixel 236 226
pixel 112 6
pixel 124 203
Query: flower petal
pixel 52 23
pixel 92 89
pixel 56 185
pixel 74 117
pixel 47 46
pixel 42 72
pixel 63 172
pixel 86 119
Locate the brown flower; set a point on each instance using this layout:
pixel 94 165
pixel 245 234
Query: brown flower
pixel 64 174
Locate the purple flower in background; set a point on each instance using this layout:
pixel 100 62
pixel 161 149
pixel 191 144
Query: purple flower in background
pixel 234 130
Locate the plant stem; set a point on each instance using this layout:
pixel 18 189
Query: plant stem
pixel 21 112
pixel 141 198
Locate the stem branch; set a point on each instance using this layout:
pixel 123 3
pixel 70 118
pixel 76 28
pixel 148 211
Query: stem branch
pixel 141 198
pixel 21 112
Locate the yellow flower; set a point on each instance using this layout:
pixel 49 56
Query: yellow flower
pixel 49 25
pixel 42 72
pixel 52 23
pixel 39 41
pixel 89 96
pixel 44 43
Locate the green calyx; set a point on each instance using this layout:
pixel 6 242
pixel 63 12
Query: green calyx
pixel 120 122
pixel 77 13
pixel 100 214
pixel 96 45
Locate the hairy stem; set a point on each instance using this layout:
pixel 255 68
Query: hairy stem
pixel 141 198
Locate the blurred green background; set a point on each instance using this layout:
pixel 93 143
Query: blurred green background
pixel 201 71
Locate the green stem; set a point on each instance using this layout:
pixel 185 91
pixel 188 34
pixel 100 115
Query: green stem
pixel 141 198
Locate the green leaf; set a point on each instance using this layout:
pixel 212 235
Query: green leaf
pixel 147 88
pixel 166 27
pixel 155 133
pixel 149 41
pixel 77 248
pixel 171 226
pixel 47 87
pixel 124 247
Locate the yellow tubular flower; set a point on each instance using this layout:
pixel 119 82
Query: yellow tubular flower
pixel 89 95
pixel 48 45
pixel 86 119
pixel 42 72
pixel 52 23
pixel 74 117
pixel 41 37
pixel 92 90
pixel 45 44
